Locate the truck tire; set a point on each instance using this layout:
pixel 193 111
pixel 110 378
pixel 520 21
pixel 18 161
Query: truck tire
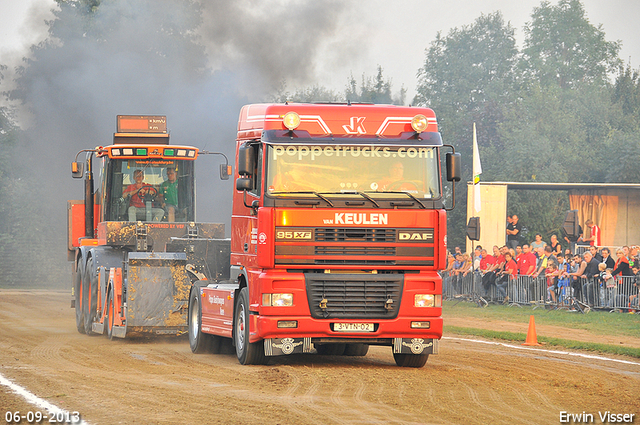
pixel 110 314
pixel 89 297
pixel 199 341
pixel 331 349
pixel 77 293
pixel 247 352
pixel 358 350
pixel 410 360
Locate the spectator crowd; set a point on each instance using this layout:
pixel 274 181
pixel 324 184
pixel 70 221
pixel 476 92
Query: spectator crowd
pixel 583 273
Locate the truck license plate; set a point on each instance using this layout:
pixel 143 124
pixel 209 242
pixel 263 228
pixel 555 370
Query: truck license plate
pixel 353 327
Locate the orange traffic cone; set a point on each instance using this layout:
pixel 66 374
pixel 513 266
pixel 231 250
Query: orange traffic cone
pixel 532 338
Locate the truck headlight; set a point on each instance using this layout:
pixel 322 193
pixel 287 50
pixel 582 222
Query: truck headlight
pixel 277 300
pixel 428 300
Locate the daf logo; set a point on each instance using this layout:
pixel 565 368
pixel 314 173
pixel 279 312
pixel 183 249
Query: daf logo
pixel 415 236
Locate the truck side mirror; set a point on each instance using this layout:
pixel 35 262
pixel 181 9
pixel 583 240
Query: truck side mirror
pixel 244 183
pixel 453 167
pixel 77 169
pixel 225 171
pixel 246 160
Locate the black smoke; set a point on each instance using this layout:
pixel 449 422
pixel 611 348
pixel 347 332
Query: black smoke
pixel 195 62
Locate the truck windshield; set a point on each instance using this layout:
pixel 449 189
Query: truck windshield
pixel 149 190
pixel 339 169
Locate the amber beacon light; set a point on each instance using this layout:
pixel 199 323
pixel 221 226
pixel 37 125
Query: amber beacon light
pixel 419 123
pixel 291 120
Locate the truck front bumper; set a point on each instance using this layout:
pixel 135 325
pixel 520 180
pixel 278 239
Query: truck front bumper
pixel 303 332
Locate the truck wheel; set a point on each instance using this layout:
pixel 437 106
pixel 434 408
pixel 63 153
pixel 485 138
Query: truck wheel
pixel 356 350
pixel 199 341
pixel 410 360
pixel 89 297
pixel 110 314
pixel 248 353
pixel 77 293
pixel 331 349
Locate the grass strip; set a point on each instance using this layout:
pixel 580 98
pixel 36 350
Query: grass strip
pixel 555 342
pixel 597 322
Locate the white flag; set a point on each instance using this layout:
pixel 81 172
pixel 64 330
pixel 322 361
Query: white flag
pixel 477 170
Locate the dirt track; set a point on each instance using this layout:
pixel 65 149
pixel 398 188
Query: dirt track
pixel 144 381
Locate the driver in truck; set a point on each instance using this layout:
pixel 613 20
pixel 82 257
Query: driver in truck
pixel 139 194
pixel 396 174
pixel 397 180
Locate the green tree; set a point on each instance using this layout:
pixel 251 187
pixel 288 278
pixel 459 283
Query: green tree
pixel 626 94
pixel 563 125
pixel 544 115
pixel 469 76
pixel 26 233
pixel 373 90
pixel 562 47
pixel 101 58
pixel 623 141
pixel 315 93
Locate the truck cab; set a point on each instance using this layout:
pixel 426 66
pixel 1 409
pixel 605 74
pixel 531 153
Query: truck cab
pixel 338 231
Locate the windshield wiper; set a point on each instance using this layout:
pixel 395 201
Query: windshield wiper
pixel 324 198
pixel 412 197
pixel 364 195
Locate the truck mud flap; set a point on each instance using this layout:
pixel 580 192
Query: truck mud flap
pixel 415 346
pixel 286 346
pixel 157 291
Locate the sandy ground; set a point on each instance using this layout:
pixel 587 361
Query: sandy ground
pixel 159 380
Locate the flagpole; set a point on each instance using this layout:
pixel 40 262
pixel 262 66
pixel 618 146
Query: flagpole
pixel 477 170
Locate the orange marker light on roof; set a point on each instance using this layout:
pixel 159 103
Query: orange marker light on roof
pixel 291 120
pixel 419 123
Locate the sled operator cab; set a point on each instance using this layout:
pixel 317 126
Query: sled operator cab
pixel 142 177
pixel 134 240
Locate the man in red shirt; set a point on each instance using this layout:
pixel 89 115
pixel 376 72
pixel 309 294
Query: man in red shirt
pixel 136 193
pixel 526 267
pixel 509 273
pixel 594 232
pixel 500 259
pixel 486 261
pixel 526 261
pixel 510 266
pixel 489 268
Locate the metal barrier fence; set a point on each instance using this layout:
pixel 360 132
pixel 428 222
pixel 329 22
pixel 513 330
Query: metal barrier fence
pixel 617 294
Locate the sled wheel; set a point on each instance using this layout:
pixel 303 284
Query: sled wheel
pixel 89 297
pixel 77 292
pixel 110 314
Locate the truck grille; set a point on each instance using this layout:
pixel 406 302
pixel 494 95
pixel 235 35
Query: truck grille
pixel 355 250
pixel 355 235
pixel 327 246
pixel 354 296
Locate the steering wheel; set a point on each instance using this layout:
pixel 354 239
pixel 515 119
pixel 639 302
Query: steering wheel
pixel 403 185
pixel 147 193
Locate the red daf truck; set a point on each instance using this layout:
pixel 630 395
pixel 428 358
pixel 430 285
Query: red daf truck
pixel 338 231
